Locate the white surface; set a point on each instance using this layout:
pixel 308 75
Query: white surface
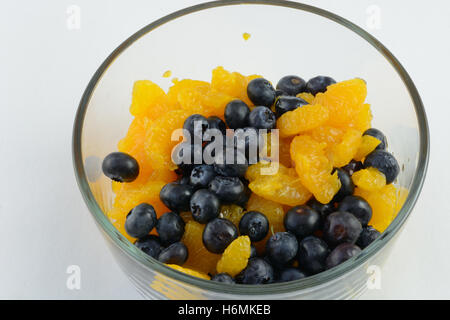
pixel 45 226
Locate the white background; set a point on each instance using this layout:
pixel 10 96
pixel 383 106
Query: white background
pixel 44 224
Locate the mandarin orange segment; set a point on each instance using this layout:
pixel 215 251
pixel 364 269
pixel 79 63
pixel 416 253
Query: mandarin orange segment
pixel 384 204
pixel 368 144
pixel 344 100
pixel 233 84
pixel 199 259
pixel 158 144
pixel 343 152
pixel 369 179
pixel 148 99
pixel 308 97
pixel 232 212
pixel 282 186
pixel 314 168
pixel 302 119
pixel 235 257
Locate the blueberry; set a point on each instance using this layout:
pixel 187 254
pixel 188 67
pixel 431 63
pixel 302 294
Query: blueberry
pixel 227 189
pixel 357 206
pixel 347 186
pixel 368 235
pixel 244 197
pixel 352 167
pixel 176 253
pixel 217 123
pixel 342 253
pixel 385 163
pixel 184 179
pixel 249 141
pixel 149 244
pixel 205 206
pixel 176 196
pixel 231 163
pixel 341 227
pixel 202 175
pixel 319 84
pixel 312 254
pixel 379 135
pixel 290 274
pixel 261 92
pixel 323 209
pixel 218 234
pixel 253 252
pixel 302 221
pixel 196 125
pixel 254 225
pixel 292 85
pixel 258 271
pixel 236 114
pixel 262 118
pixel 140 220
pixel 288 103
pixel 170 228
pixel 223 277
pixel 281 248
pixel 120 167
pixel 279 93
pixel 187 155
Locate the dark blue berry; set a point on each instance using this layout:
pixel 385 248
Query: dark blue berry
pixel 223 277
pixel 323 209
pixel 176 196
pixel 261 92
pixel 249 141
pixel 302 221
pixel 258 271
pixel 379 135
pixel 176 253
pixel 205 206
pixel 187 155
pixel 254 225
pixel 202 175
pixel 236 114
pixel 385 163
pixel 227 189
pixel 352 167
pixel 290 274
pixel 368 235
pixel 218 234
pixel 342 253
pixel 357 206
pixel 170 228
pixel 287 103
pixel 231 163
pixel 312 254
pixel 253 252
pixel 120 167
pixel 319 84
pixel 149 244
pixel 140 220
pixel 341 227
pixel 217 123
pixel 244 197
pixel 279 93
pixel 196 125
pixel 262 118
pixel 281 248
pixel 184 179
pixel 292 85
pixel 347 186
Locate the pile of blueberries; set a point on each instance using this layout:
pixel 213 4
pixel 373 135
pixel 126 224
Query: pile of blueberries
pixel 318 236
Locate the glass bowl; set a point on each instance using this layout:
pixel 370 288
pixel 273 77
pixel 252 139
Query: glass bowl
pixel 286 38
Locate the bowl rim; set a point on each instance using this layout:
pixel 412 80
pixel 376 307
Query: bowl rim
pixel 310 282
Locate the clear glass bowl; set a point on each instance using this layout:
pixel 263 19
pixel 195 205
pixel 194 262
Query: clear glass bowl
pixel 286 38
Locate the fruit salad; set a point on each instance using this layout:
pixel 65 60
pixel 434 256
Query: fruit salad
pixel 240 181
